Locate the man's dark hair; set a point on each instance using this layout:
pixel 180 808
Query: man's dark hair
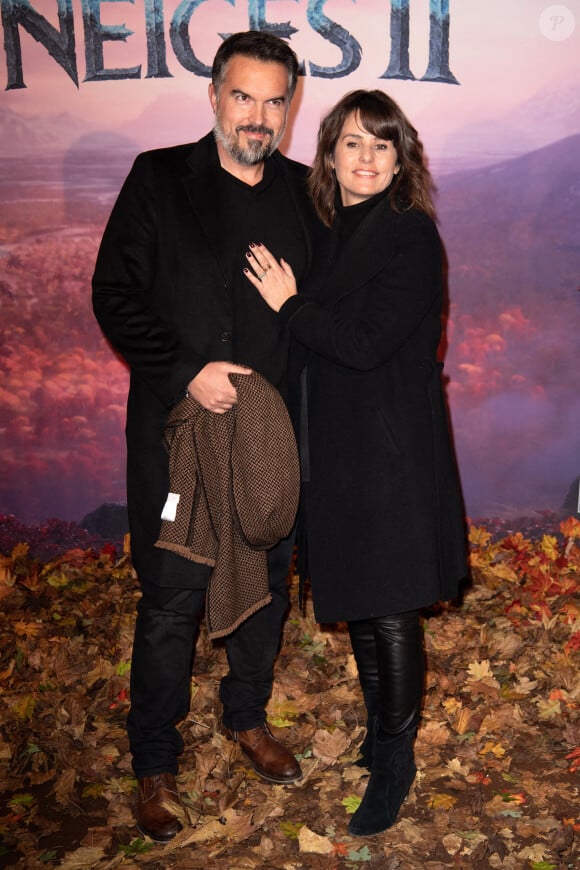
pixel 260 46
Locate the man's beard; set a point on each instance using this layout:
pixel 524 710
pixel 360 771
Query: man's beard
pixel 255 152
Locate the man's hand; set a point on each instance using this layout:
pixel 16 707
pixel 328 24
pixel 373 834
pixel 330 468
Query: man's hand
pixel 212 388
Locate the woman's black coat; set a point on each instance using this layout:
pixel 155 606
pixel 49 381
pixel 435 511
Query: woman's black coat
pixel 384 509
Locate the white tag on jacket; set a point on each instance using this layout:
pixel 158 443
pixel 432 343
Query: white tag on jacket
pixel 170 507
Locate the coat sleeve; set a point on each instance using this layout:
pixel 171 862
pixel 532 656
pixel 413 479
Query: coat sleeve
pixel 397 299
pixel 123 284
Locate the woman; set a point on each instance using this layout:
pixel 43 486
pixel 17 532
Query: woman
pixel 383 508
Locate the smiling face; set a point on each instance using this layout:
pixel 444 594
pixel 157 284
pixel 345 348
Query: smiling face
pixel 364 164
pixel 250 110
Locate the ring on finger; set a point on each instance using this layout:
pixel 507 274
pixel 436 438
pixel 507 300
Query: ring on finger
pixel 261 275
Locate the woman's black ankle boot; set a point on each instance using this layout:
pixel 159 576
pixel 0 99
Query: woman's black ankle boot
pixel 389 655
pixel 392 773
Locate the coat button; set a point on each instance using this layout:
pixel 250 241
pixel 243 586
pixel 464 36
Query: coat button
pixel 225 336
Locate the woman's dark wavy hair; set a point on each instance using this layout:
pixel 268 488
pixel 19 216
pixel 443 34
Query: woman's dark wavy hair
pixel 379 115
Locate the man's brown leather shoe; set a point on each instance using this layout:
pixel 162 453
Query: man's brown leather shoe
pixel 269 758
pixel 158 803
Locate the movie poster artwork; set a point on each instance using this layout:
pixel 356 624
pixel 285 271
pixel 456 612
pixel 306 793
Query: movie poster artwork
pixel 492 88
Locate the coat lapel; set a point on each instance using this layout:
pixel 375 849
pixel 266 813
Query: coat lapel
pixel 365 253
pixel 200 185
pixel 300 202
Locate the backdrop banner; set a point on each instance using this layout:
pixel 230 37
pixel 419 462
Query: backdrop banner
pixel 492 87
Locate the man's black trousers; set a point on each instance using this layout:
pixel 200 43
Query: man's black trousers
pixel 163 650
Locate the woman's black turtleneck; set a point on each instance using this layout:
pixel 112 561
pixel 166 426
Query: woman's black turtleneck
pixel 349 217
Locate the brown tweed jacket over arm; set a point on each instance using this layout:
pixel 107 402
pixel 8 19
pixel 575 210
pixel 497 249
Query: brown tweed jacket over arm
pixel 236 481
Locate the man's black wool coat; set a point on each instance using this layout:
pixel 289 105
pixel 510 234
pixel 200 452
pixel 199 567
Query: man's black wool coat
pixel 164 300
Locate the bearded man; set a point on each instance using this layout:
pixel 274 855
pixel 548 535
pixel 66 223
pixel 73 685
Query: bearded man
pixel 170 295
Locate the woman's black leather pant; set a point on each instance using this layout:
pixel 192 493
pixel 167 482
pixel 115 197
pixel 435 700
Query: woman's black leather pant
pixel 389 654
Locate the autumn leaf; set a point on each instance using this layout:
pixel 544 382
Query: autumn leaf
pixel 462 720
pixel 24 707
pixel 515 608
pixel 102 670
pixel 508 777
pixel 351 803
pixel 64 785
pixel 136 847
pixel 547 619
pixel 452 843
pixel 571 612
pixel 558 695
pixel 280 722
pixel 574 756
pixel 479 776
pixel 232 826
pixel 492 748
pixel 291 829
pixel 573 645
pixel 329 745
pixel 7 576
pixel 549 546
pixel 26 801
pixel 452 706
pixel 525 685
pixel 511 797
pixel 20 551
pixel 504 572
pixel 70 682
pixel 309 841
pixel 434 733
pixel 283 707
pixel 360 855
pixel 570 528
pixel 26 629
pixel 517 542
pixel 340 850
pixel 535 853
pixel 479 536
pixel 93 790
pixel 480 671
pixel 58 580
pixel 109 752
pixel 442 801
pixel 455 767
pixel 86 856
pixel 548 708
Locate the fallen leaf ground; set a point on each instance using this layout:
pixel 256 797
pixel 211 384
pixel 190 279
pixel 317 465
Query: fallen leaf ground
pixel 498 750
